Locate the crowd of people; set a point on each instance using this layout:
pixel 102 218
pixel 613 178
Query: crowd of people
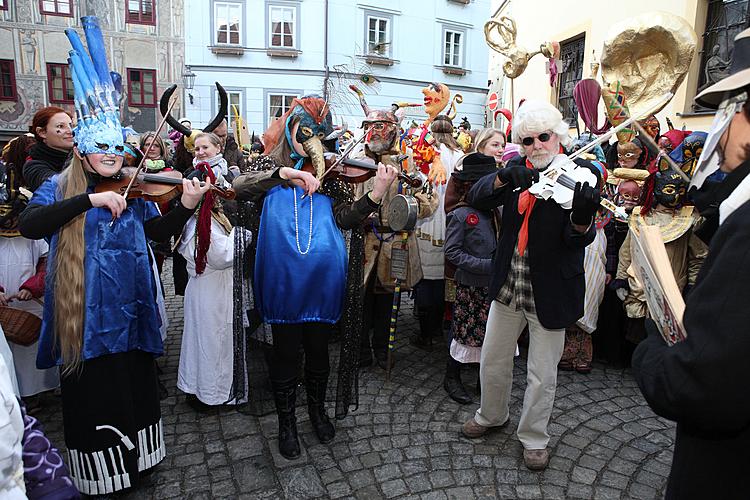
pixel 491 265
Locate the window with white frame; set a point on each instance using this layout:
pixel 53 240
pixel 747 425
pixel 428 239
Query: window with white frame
pixel 453 42
pixel 282 27
pixel 234 98
pixel 379 35
pixel 227 20
pixel 278 104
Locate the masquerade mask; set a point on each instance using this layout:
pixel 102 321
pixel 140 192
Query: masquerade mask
pixel 628 155
pixel 628 194
pixel 669 189
pixel 543 137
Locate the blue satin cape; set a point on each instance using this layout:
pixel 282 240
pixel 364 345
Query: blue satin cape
pixel 120 293
pixel 291 287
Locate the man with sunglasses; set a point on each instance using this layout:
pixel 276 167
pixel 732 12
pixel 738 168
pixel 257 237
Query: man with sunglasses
pixel 701 383
pixel 538 279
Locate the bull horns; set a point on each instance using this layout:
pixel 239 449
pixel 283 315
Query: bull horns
pixel 164 108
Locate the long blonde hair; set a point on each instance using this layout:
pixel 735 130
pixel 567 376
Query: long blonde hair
pixel 69 278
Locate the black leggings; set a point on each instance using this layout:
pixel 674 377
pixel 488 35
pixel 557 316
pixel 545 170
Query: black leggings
pixel 287 340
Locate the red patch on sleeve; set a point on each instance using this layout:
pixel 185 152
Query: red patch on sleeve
pixel 472 219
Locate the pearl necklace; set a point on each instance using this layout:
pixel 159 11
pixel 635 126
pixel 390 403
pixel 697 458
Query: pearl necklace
pixel 296 224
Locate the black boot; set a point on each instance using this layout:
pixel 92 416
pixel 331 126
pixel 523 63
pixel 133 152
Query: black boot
pixel 316 397
pixel 285 395
pixel 453 385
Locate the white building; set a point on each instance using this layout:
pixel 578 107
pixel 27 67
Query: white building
pixel 266 52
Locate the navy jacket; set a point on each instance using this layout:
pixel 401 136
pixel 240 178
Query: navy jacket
pixel 470 243
pixel 555 250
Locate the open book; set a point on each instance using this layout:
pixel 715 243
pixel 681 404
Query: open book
pixel 653 270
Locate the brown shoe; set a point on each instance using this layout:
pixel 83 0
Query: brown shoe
pixel 471 429
pixel 536 459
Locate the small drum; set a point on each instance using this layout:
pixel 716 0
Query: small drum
pixel 402 213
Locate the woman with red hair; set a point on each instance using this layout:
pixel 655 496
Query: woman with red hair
pixel 53 129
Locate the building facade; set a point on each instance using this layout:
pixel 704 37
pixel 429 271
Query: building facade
pixel 145 40
pixel 581 32
pixel 267 52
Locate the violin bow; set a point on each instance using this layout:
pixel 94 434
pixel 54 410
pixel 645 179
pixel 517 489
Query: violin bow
pixel 338 161
pixel 141 163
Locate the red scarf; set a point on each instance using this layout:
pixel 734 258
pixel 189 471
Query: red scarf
pixel 203 225
pixel 526 204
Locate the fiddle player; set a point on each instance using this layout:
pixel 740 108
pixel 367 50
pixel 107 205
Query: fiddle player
pixel 538 279
pixel 301 260
pixel 100 322
pixel 701 383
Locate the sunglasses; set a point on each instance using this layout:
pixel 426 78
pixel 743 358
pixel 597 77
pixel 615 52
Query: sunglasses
pixel 528 141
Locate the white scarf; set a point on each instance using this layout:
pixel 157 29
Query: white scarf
pixel 219 167
pixel 739 196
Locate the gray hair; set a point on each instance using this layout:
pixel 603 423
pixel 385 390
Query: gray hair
pixel 534 117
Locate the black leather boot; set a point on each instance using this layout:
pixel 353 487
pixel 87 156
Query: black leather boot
pixel 285 395
pixel 316 397
pixel 453 385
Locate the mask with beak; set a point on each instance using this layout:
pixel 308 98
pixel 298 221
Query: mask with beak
pixel 306 128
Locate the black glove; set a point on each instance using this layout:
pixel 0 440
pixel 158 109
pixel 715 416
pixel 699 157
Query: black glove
pixel 615 285
pixel 518 177
pixel 195 174
pixel 585 204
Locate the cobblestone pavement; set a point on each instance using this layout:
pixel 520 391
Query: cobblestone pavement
pixel 403 441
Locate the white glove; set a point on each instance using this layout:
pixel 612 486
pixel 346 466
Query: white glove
pixel 622 293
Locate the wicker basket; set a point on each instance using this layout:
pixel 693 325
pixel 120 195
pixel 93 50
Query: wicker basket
pixel 20 327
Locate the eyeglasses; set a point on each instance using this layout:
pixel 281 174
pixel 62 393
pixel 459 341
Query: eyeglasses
pixel 544 137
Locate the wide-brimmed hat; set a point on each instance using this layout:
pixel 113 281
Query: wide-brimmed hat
pixel 473 167
pixel 739 75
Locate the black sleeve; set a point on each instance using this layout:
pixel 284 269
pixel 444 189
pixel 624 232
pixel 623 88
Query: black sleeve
pixel 349 216
pixel 484 196
pixel 160 229
pixel 35 173
pixel 41 221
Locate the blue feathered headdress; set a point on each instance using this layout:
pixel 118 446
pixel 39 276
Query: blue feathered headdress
pixel 98 129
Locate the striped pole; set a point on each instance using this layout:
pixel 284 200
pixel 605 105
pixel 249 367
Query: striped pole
pixel 394 315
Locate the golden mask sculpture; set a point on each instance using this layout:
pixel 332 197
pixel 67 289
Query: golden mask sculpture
pixel 649 55
pixel 505 44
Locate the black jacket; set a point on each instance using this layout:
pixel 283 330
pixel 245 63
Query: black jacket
pixel 703 383
pixel 43 163
pixel 555 250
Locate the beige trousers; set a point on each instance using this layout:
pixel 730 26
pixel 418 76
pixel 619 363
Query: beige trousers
pixel 504 326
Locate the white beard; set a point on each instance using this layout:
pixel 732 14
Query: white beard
pixel 541 160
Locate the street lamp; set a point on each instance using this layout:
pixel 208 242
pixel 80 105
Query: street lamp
pixel 188 81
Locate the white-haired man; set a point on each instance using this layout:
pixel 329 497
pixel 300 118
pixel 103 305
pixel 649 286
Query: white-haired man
pixel 537 279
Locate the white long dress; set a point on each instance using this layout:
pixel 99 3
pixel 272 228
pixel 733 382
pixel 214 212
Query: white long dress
pixel 206 355
pixel 18 260
pixel 430 231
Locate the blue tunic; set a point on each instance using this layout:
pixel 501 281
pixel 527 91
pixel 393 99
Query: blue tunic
pixel 292 287
pixel 120 306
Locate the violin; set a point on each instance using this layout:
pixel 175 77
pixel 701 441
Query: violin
pixel 159 187
pixel 357 170
pixel 559 180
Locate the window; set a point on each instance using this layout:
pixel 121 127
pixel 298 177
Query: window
pixel 140 12
pixel 227 17
pixel 571 60
pixel 3 4
pixel 282 26
pixel 278 104
pixel 453 49
pixel 379 35
pixel 724 20
pixel 234 98
pixel 142 87
pixel 7 80
pixel 59 83
pixel 56 7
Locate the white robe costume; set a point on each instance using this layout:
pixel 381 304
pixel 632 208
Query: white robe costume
pixel 18 259
pixel 206 356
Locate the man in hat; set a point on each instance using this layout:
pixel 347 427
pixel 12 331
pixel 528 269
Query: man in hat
pixel 537 279
pixel 701 383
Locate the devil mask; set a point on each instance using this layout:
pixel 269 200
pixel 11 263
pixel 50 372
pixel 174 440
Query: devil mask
pixel 651 126
pixel 380 126
pixel 669 188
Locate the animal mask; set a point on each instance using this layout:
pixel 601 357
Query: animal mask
pixel 669 188
pixel 692 147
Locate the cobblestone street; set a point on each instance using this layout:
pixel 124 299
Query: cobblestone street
pixel 403 441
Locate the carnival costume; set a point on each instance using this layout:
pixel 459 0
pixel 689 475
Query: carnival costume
pixel 302 286
pixel 111 414
pixel 382 143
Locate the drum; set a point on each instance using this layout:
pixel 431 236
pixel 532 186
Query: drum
pixel 402 213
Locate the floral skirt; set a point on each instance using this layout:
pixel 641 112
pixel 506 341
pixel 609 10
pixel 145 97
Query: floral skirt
pixel 470 313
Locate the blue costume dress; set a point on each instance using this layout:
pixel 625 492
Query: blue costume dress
pixel 111 411
pixel 310 285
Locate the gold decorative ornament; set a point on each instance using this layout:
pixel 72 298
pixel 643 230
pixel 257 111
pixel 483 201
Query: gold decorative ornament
pixel 518 58
pixel 649 55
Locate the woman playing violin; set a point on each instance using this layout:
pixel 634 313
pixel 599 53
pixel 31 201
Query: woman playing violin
pixel 300 279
